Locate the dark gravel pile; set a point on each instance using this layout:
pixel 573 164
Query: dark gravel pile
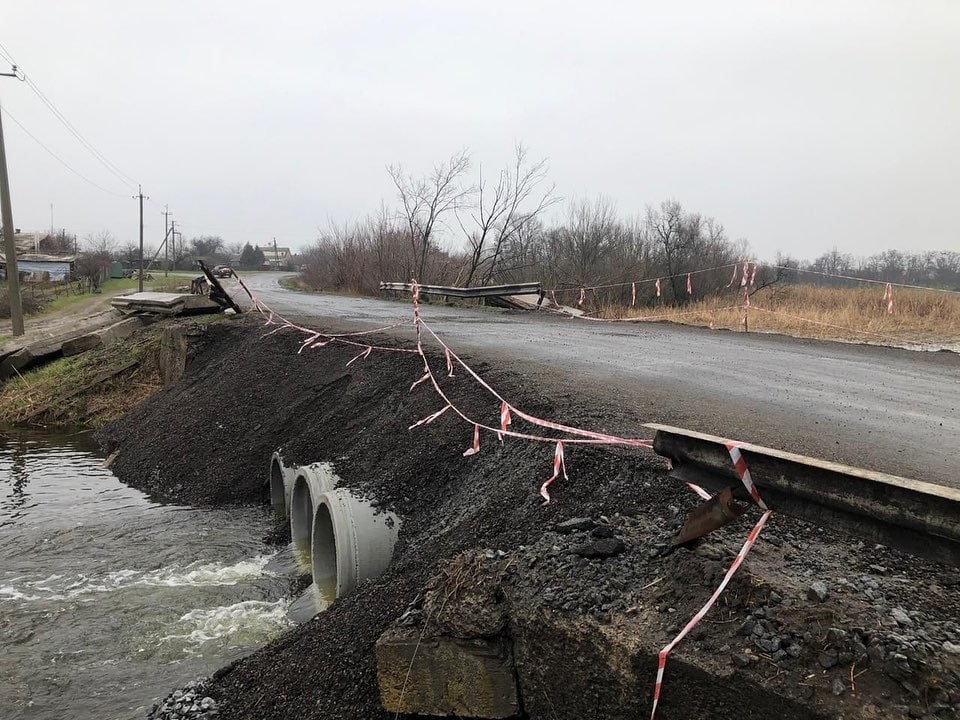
pixel 207 439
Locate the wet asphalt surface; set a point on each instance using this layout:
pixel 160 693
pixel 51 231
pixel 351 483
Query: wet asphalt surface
pixel 885 409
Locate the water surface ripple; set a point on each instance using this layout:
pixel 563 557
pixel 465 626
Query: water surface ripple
pixel 109 600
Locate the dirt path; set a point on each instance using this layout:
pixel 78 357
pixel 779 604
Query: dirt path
pixel 60 319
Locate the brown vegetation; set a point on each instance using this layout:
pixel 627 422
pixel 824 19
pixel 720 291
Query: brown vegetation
pixel 90 389
pixel 858 314
pixel 504 237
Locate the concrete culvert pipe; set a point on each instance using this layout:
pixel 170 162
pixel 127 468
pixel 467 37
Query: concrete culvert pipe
pixel 310 482
pixel 352 541
pixel 281 484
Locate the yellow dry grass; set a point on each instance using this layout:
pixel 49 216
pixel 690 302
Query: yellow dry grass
pixel 920 317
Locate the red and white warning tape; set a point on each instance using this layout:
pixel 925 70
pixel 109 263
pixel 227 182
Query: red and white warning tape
pixel 744 473
pixel 558 466
pixel 733 279
pixel 315 339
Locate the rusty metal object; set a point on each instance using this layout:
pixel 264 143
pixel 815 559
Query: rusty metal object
pixel 910 515
pixel 712 514
pixel 217 293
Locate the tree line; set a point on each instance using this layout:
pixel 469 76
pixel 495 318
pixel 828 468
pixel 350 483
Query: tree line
pixel 936 268
pixel 96 251
pixel 454 226
pixel 462 225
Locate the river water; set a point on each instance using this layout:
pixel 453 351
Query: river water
pixel 109 600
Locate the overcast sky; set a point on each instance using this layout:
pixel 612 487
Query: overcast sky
pixel 799 128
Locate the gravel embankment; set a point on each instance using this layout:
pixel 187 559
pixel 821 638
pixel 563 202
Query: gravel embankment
pixel 827 624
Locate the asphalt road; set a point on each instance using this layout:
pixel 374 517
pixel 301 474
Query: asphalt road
pixel 886 409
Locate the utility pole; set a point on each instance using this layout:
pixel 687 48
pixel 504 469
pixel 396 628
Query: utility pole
pixel 10 245
pixel 166 233
pixel 276 254
pixel 140 196
pixel 173 238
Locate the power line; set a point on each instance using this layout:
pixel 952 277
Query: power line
pixel 58 158
pixel 122 176
pixel 6 54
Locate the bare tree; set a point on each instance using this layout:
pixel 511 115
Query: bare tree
pixel 502 214
pixel 129 252
pixel 206 245
pixel 60 243
pixel 103 244
pixel 427 199
pixel 667 226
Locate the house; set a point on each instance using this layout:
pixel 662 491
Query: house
pixel 277 258
pixel 35 266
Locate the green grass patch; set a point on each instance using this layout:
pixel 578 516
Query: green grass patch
pixel 68 300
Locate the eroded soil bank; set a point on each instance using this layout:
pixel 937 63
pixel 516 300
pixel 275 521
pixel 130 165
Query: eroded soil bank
pixel 814 625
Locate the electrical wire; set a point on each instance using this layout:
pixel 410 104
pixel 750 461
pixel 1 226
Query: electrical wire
pixel 864 280
pixel 122 176
pixel 59 159
pixel 6 55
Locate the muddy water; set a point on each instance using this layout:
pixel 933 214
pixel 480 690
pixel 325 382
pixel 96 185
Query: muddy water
pixel 108 600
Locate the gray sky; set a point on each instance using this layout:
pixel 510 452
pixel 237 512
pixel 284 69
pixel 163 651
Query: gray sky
pixel 799 127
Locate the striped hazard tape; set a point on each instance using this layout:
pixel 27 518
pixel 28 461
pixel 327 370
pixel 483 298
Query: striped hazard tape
pixel 558 466
pixel 505 419
pixel 475 448
pixel 744 473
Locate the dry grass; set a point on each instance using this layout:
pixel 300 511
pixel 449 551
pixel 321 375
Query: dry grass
pixel 920 317
pixel 67 391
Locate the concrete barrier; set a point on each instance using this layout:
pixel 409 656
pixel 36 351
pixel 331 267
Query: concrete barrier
pixel 911 515
pixel 309 484
pixel 352 541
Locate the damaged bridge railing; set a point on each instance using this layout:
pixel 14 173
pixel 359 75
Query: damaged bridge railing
pixel 485 291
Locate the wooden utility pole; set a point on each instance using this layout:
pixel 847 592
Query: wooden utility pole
pixel 276 254
pixel 9 244
pixel 140 196
pixel 173 239
pixel 166 234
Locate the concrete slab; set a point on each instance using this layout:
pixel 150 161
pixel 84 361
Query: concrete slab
pixel 103 336
pixel 445 676
pixel 165 303
pixel 37 348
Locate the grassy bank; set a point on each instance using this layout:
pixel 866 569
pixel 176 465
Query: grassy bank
pixel 296 282
pixel 89 389
pixel 95 387
pixel 859 314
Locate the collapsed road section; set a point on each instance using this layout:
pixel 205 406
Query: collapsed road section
pixel 495 605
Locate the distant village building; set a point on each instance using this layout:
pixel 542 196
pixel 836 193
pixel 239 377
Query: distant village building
pixel 34 265
pixel 277 258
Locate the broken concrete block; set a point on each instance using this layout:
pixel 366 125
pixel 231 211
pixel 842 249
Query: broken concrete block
pixel 446 676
